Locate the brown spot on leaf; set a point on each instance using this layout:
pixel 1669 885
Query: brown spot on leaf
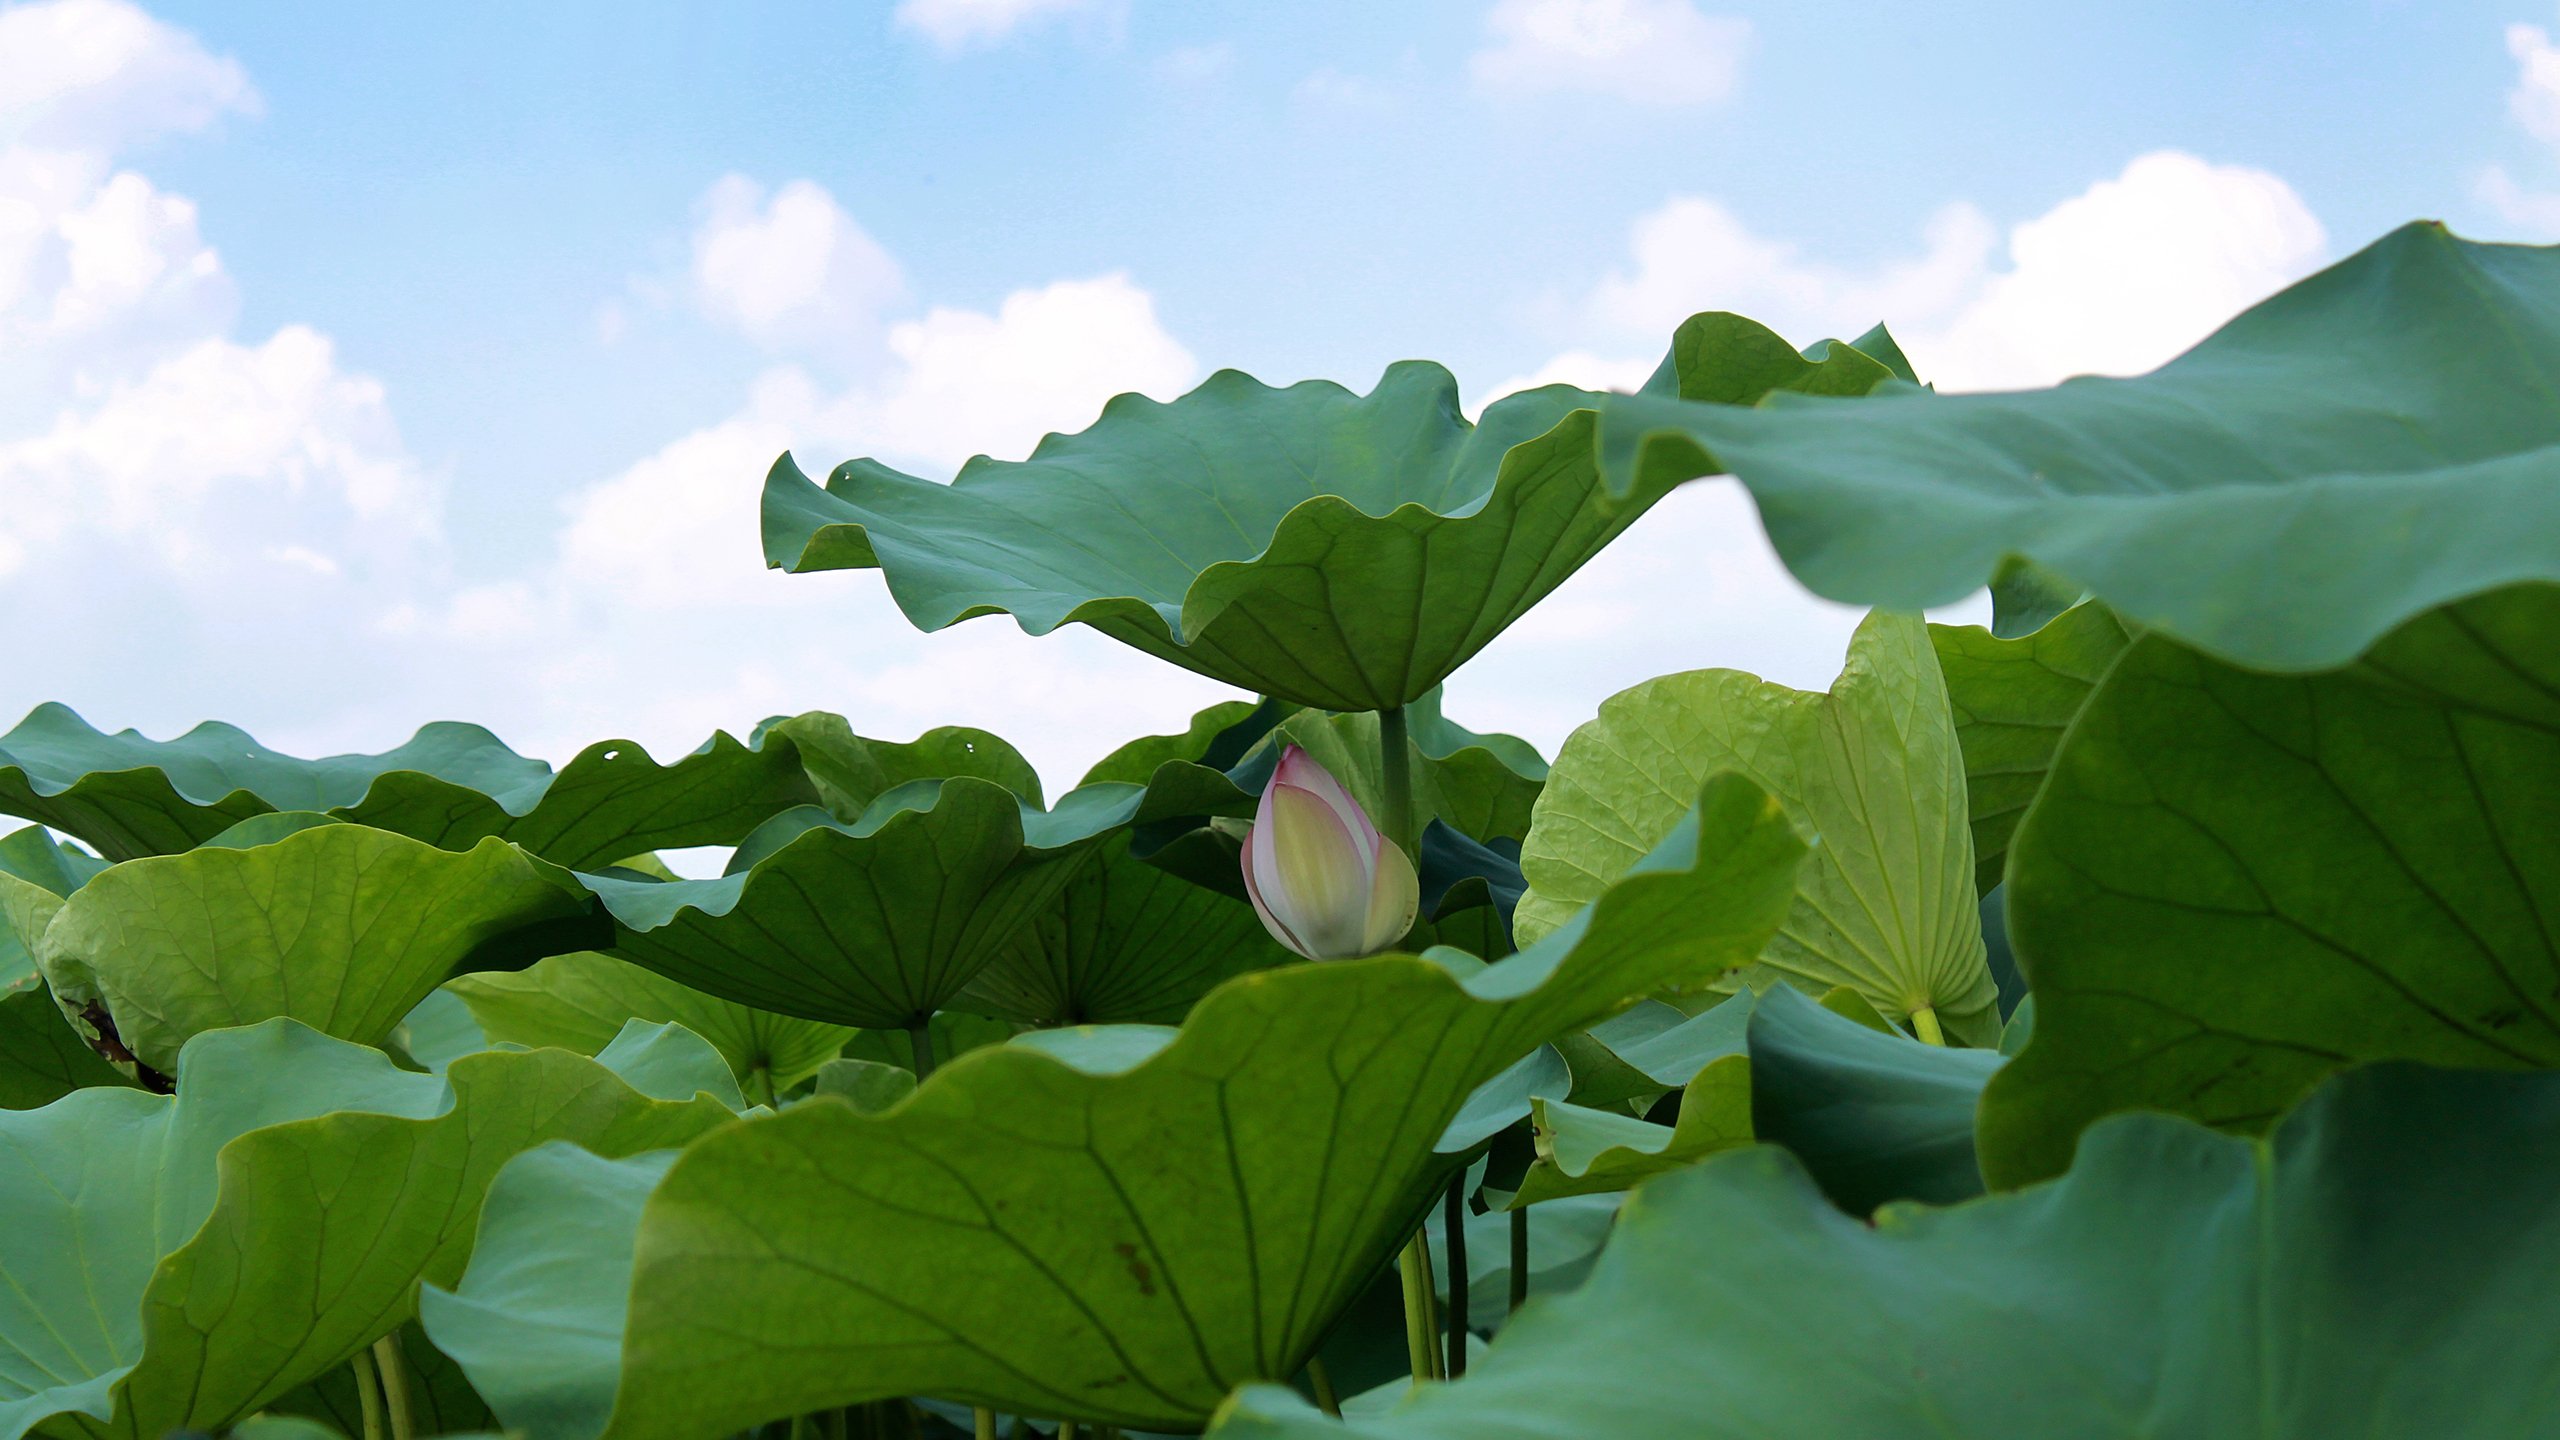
pixel 1138 1269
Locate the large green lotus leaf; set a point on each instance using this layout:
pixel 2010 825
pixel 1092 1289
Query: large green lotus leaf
pixel 1874 1115
pixel 1589 1152
pixel 2013 698
pixel 581 1001
pixel 2237 882
pixel 1124 942
pixel 1338 550
pixel 1234 725
pixel 2363 446
pixel 1128 941
pixel 41 1057
pixel 451 785
pixel 2381 1266
pixel 537 1319
pixel 175 1263
pixel 1122 1239
pixel 343 927
pixel 877 923
pixel 1872 768
pixel 850 771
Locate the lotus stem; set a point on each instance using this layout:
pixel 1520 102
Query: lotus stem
pixel 920 1039
pixel 368 1393
pixel 1924 1023
pixel 1395 776
pixel 394 1368
pixel 1417 1341
pixel 1326 1400
pixel 760 1085
pixel 1066 1430
pixel 1453 1219
pixel 1421 1323
pixel 985 1422
pixel 1519 1256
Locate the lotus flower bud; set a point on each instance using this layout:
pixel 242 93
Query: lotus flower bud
pixel 1324 881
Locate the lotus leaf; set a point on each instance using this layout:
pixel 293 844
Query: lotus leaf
pixel 877 923
pixel 1874 1115
pixel 2013 698
pixel 451 785
pixel 42 1058
pixel 581 1001
pixel 175 1263
pixel 2236 882
pixel 1872 768
pixel 2379 1266
pixel 2361 447
pixel 1337 550
pixel 343 927
pixel 1123 942
pixel 1120 1244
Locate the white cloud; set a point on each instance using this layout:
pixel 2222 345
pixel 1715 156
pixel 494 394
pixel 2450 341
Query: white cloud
pixel 188 520
pixel 2121 278
pixel 681 629
pixel 1695 254
pixel 2535 212
pixel 2115 280
pixel 790 270
pixel 1579 368
pixel 1651 52
pixel 2534 104
pixel 961 24
pixel 967 382
pixel 101 75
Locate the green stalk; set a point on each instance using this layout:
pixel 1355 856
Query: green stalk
pixel 760 1085
pixel 1453 1219
pixel 985 1422
pixel 1420 1345
pixel 394 1369
pixel 1395 777
pixel 1519 1256
pixel 1326 1400
pixel 368 1393
pixel 1924 1023
pixel 920 1038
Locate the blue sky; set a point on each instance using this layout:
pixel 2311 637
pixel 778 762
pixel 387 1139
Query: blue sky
pixel 421 359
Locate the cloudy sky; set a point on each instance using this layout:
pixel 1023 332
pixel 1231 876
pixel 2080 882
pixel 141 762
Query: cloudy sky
pixel 360 368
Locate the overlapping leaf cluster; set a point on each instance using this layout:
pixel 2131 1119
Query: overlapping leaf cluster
pixel 2138 1017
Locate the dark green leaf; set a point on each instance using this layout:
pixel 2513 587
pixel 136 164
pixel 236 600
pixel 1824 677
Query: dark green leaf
pixel 878 923
pixel 342 927
pixel 1331 549
pixel 2362 447
pixel 452 786
pixel 177 1263
pixel 1124 942
pixel 2236 882
pixel 1124 1242
pixel 2013 699
pixel 2380 1267
pixel 581 1001
pixel 1873 1116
